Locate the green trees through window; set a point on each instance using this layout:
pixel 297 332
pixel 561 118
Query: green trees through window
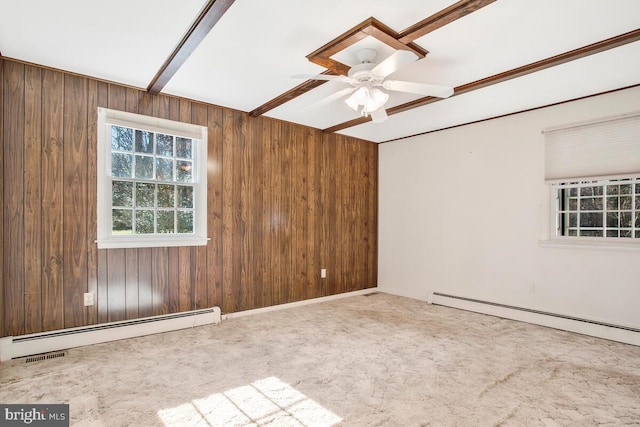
pixel 603 208
pixel 152 182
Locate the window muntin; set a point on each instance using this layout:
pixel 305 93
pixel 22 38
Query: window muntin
pixel 606 208
pixel 151 182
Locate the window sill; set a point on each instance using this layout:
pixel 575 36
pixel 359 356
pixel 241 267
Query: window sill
pixel 575 243
pixel 138 242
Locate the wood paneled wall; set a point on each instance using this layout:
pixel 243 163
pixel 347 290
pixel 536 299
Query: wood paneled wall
pixel 284 201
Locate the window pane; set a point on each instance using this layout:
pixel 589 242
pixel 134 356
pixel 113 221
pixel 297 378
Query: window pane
pixel 625 203
pixel 591 233
pixel 122 193
pixel 638 202
pixel 144 142
pixel 612 233
pixel 144 222
pixel 144 167
pixel 185 222
pixel 122 223
pixel 573 220
pixel 591 204
pixel 166 221
pixel 612 203
pixel 573 232
pixel 626 189
pixel 185 196
pixel 121 165
pixel 183 148
pixel 612 219
pixel 183 171
pixel 637 219
pixel 573 192
pixel 164 169
pixel 626 233
pixel 591 220
pixel 145 194
pixel 164 145
pixel 165 196
pixel 613 189
pixel 121 138
pixel 591 191
pixel 573 204
pixel 625 219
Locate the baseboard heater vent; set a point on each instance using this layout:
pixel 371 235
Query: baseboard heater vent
pixel 47 356
pixel 621 333
pixel 45 342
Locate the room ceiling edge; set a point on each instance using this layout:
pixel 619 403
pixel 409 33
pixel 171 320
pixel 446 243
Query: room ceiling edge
pixel 566 101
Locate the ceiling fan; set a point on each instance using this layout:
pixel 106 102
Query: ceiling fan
pixel 366 78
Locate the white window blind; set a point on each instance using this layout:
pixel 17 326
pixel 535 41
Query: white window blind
pixel 605 148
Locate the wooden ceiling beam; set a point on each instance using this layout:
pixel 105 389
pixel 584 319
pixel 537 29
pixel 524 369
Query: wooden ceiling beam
pixel 208 18
pixel 289 95
pixel 442 18
pixel 601 46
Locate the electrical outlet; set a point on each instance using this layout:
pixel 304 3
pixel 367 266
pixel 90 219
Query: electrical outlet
pixel 88 299
pixel 323 273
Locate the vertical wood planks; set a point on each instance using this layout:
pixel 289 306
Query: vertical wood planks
pixel 265 214
pixel 91 312
pixel 197 114
pixel 75 195
pixel 283 202
pixel 214 276
pixel 32 199
pixel 116 278
pixel 228 299
pixel 13 233
pixel 52 195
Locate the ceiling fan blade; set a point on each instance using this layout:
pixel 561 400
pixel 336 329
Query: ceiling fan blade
pixel 419 88
pixel 327 77
pixel 379 115
pixel 394 62
pixel 328 99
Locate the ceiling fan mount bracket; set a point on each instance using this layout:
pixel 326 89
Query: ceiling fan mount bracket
pixel 366 55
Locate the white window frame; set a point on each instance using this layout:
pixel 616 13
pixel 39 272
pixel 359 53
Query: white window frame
pixel 555 232
pixel 105 237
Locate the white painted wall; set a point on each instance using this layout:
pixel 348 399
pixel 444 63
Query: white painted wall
pixel 463 211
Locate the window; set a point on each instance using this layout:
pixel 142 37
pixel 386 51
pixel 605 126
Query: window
pixel 593 172
pixel 598 208
pixel 152 181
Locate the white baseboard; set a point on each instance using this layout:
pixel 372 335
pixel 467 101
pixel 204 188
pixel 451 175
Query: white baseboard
pixel 620 333
pixel 62 339
pixel 298 303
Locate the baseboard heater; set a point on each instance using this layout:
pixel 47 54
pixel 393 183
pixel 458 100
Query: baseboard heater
pixel 620 333
pixel 27 345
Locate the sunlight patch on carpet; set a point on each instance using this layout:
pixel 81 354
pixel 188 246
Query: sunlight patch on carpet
pixel 265 402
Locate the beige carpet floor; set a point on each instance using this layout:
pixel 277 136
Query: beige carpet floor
pixel 377 360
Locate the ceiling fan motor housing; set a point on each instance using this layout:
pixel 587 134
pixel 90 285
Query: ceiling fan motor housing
pixel 362 71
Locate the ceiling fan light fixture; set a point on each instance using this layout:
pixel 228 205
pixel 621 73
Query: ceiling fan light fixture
pixel 351 102
pixel 369 99
pixel 379 97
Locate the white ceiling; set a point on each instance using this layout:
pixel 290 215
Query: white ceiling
pixel 251 54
